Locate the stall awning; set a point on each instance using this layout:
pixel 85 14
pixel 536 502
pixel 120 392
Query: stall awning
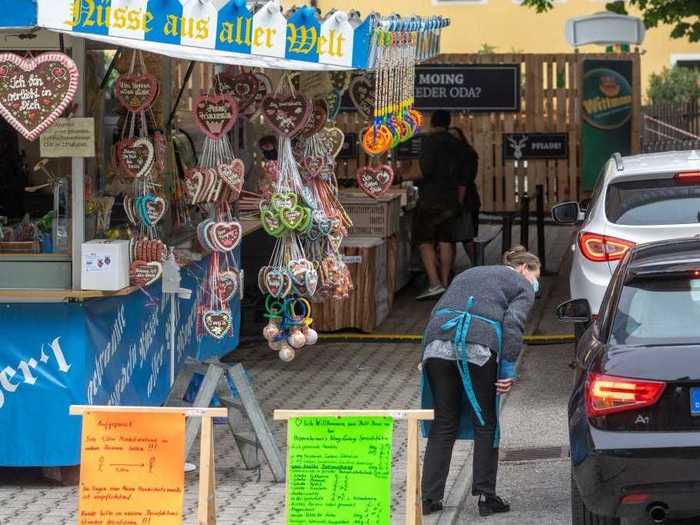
pixel 17 14
pixel 233 34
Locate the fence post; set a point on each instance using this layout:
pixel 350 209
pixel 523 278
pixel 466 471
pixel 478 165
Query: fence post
pixel 507 233
pixel 541 251
pixel 525 220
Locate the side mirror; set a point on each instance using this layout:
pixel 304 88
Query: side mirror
pixel 575 311
pixel 567 213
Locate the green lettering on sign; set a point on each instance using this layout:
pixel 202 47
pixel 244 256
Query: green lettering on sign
pixel 339 471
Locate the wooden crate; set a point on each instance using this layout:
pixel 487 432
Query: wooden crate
pixel 372 264
pixel 372 217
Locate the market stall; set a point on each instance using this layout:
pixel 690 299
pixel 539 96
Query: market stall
pixel 107 313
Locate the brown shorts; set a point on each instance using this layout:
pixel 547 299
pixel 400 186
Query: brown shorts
pixel 434 223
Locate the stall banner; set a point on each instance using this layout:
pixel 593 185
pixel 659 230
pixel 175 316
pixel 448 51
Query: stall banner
pixel 18 13
pixel 112 351
pixel 197 30
pixel 607 112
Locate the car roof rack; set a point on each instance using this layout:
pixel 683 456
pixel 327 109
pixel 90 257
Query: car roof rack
pixel 618 162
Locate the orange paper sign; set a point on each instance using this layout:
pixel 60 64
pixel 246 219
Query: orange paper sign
pixel 132 469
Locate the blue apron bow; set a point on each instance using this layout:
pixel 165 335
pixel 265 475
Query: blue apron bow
pixel 460 321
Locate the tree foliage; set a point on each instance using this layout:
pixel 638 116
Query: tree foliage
pixel 682 15
pixel 678 85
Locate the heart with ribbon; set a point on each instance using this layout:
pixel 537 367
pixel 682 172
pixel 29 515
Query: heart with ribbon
pixel 284 201
pixel 287 115
pixel 143 274
pixel 136 157
pixel 34 92
pixel 156 208
pixel 215 115
pixel 217 323
pixel 375 181
pixel 278 283
pixel 225 236
pixel 242 87
pixel 136 92
pixel 227 284
pixel 292 218
pixel 362 95
pixel 272 223
pixel 233 175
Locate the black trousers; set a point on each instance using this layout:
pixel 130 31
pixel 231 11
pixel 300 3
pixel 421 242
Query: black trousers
pixel 449 398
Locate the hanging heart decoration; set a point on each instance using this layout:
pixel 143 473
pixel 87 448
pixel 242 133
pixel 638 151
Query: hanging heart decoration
pixel 287 115
pixel 332 140
pixel 278 283
pixel 156 208
pixel 225 236
pixel 362 95
pixel 318 118
pixel 284 201
pixel 340 80
pixel 136 92
pixel 264 89
pixel 242 87
pixel 217 323
pixel 215 115
pixel 375 181
pixel 136 157
pixel 228 284
pixel 233 175
pixel 314 165
pixel 334 102
pixel 34 92
pixel 272 223
pixel 143 274
pixel 292 218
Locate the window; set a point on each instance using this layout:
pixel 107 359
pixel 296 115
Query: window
pixel 658 312
pixel 653 202
pixel 687 60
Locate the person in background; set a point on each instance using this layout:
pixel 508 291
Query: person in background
pixel 470 348
pixel 438 203
pixel 469 194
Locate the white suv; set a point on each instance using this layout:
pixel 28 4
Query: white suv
pixel 637 199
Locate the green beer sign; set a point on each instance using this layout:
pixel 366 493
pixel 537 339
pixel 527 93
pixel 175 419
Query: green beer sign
pixel 607 102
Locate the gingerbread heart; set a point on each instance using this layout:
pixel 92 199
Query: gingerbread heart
pixel 375 181
pixel 194 184
pixel 287 115
pixel 215 115
pixel 225 236
pixel 340 80
pixel 332 140
pixel 136 157
pixel 292 218
pixel 34 92
pixel 314 165
pixel 318 118
pixel 264 89
pixel 297 270
pixel 156 209
pixel 143 274
pixel 311 282
pixel 284 201
pixel 362 95
pixel 136 92
pixel 278 283
pixel 217 323
pixel 242 87
pixel 262 274
pixel 233 175
pixel 161 147
pixel 271 223
pixel 334 101
pixel 335 239
pixel 227 285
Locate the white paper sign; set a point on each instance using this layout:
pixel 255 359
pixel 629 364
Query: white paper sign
pixel 74 137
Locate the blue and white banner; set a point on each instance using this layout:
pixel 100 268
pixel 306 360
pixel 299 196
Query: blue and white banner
pixel 18 14
pixel 197 30
pixel 113 351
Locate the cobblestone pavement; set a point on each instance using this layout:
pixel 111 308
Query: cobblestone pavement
pixel 357 376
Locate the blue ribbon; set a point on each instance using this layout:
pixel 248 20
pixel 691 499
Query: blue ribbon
pixel 460 321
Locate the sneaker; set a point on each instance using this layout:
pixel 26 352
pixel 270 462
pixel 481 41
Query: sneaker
pixel 492 505
pixel 430 507
pixel 431 293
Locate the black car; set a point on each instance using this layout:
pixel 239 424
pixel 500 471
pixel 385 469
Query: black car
pixel 634 413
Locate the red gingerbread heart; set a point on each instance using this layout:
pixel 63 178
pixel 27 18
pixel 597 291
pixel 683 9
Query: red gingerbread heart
pixel 215 115
pixel 144 274
pixel 375 182
pixel 242 87
pixel 287 115
pixel 136 92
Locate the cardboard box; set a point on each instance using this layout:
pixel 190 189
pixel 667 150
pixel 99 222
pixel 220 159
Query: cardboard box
pixel 104 265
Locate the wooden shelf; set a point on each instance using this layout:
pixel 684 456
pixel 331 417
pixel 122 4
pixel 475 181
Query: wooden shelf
pixel 60 295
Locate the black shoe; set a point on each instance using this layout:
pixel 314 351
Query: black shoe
pixel 429 507
pixel 492 505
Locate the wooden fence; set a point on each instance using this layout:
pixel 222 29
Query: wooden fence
pixel 667 126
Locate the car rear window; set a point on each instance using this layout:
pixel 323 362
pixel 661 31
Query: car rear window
pixel 653 202
pixel 657 312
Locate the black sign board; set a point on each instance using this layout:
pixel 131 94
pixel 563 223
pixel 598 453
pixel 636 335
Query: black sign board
pixel 409 150
pixel 349 150
pixel 533 146
pixel 469 87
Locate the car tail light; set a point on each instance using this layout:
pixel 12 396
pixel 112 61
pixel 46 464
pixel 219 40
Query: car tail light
pixel 602 248
pixel 688 177
pixel 635 499
pixel 609 394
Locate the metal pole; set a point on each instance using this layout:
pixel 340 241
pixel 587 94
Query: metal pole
pixel 78 172
pixel 507 234
pixel 541 251
pixel 173 334
pixel 173 112
pixel 525 221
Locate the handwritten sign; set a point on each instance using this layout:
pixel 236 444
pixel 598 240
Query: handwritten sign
pixel 339 471
pixel 73 137
pixel 131 469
